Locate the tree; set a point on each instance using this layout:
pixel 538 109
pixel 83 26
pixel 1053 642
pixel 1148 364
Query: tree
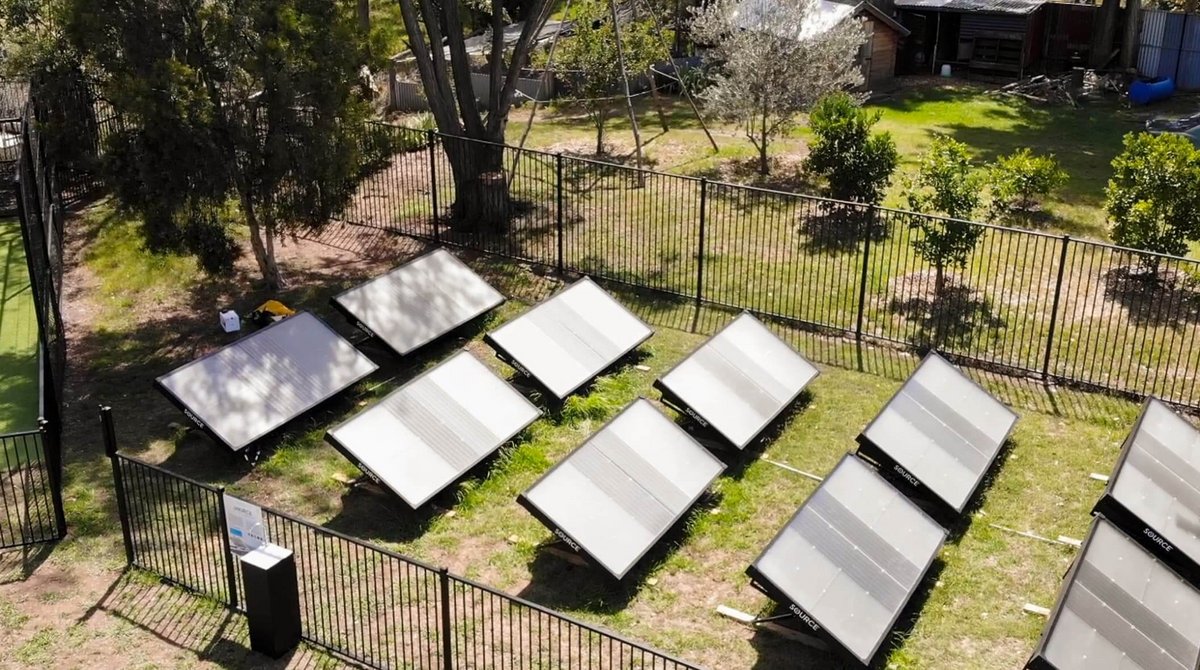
pixel 1153 198
pixel 477 160
pixel 777 58
pixel 946 183
pixel 1019 180
pixel 856 163
pixel 590 55
pixel 250 103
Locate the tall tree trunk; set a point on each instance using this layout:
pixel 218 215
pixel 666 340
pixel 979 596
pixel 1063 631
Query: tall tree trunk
pixel 1103 31
pixel 364 15
pixel 262 245
pixel 482 199
pixel 1129 44
pixel 600 119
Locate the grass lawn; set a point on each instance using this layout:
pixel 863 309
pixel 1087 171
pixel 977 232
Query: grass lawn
pixel 18 335
pixel 970 618
pixel 1085 140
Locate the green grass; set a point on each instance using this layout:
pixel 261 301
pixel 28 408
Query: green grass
pixel 18 335
pixel 971 619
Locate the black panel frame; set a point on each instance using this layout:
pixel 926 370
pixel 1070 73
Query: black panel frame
pixel 204 427
pixel 911 485
pixel 353 319
pixel 672 399
pixel 1127 521
pixel 577 546
pixel 764 585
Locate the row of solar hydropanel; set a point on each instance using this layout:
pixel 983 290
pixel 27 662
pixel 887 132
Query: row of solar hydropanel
pixel 844 565
pixel 1132 597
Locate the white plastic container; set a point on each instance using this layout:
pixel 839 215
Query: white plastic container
pixel 945 69
pixel 230 321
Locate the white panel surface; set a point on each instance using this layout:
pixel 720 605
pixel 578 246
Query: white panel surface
pixel 852 556
pixel 740 379
pixel 420 300
pixel 567 340
pixel 620 491
pixel 1123 610
pixel 944 429
pixel 426 434
pixel 246 389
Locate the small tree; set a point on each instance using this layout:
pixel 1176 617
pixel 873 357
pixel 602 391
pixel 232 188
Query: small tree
pixel 1153 198
pixel 591 57
pixel 856 163
pixel 777 58
pixel 1020 180
pixel 946 183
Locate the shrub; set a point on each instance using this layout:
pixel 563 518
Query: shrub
pixel 1153 198
pixel 1020 180
pixel 856 163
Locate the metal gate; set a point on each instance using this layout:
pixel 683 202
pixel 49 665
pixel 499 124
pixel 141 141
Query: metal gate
pixel 30 500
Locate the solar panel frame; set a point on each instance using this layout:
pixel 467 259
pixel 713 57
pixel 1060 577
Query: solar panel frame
pixel 1038 659
pixel 1161 542
pixel 338 304
pixel 759 580
pixel 907 481
pixel 676 400
pixel 547 519
pixel 349 453
pixel 504 354
pixel 204 424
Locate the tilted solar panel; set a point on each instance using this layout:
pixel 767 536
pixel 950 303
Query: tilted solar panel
pixel 939 435
pixel 419 301
pixel 1154 492
pixel 850 559
pixel 738 381
pixel 426 434
pixel 616 495
pixel 1120 609
pixel 247 389
pixel 565 341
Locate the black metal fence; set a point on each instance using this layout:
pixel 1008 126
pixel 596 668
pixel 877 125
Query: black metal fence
pixel 30 510
pixel 357 600
pixel 1055 307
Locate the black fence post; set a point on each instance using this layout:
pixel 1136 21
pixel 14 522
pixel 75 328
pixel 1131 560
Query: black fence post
pixel 110 449
pixel 447 645
pixel 862 283
pixel 558 195
pixel 230 573
pixel 700 250
pixel 431 139
pixel 52 448
pixel 1058 284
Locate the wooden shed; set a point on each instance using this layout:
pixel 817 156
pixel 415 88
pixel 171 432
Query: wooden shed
pixel 885 36
pixel 999 36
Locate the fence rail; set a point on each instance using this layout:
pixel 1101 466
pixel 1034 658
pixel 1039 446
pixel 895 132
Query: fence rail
pixel 360 601
pixel 1026 302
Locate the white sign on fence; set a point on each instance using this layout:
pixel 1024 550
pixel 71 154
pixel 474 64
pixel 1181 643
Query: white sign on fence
pixel 246 529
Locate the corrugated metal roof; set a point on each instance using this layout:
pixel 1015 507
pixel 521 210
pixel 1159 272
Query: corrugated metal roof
pixel 992 6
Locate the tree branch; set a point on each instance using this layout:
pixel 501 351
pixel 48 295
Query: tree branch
pixel 433 81
pixel 498 109
pixel 460 67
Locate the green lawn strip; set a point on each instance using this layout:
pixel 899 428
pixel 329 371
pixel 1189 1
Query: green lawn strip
pixel 18 335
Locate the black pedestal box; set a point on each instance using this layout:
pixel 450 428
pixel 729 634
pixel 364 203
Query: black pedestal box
pixel 272 600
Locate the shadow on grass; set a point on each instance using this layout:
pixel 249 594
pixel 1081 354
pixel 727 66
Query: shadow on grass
pixel 840 228
pixel 17 564
pixel 194 624
pixel 952 319
pixel 1167 298
pixel 562 585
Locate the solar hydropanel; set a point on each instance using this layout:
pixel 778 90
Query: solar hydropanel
pixel 850 559
pixel 426 434
pixel 738 381
pixel 419 301
pixel 616 495
pixel 1154 491
pixel 939 435
pixel 1120 609
pixel 564 342
pixel 247 389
